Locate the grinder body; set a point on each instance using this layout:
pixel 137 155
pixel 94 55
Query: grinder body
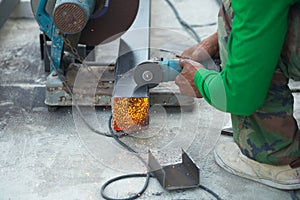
pixel 151 73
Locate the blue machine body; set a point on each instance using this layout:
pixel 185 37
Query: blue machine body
pixel 170 68
pixel 87 5
pixel 48 26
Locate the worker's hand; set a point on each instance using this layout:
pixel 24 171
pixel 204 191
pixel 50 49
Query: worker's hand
pixel 204 50
pixel 185 80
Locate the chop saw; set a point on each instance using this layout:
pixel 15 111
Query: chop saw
pixel 73 28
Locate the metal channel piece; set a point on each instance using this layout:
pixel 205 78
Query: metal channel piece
pixel 182 175
pixel 130 105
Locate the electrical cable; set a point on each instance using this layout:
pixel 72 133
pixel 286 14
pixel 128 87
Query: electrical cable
pixel 147 175
pixel 184 23
pixel 295 90
pixel 203 25
pixel 210 192
pixel 293 195
pixel 135 196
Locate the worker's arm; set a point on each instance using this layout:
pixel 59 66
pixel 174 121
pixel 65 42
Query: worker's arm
pixel 185 80
pixel 204 50
pixel 254 47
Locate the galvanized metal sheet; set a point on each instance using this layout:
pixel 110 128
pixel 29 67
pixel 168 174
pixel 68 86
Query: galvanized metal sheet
pixel 182 175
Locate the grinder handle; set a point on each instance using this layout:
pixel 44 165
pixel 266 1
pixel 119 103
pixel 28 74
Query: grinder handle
pixel 171 68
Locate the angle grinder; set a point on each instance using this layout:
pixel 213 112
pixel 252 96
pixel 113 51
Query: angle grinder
pixel 151 73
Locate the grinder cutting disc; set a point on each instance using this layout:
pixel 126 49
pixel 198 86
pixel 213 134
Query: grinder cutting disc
pixel 147 73
pixel 111 25
pixel 117 19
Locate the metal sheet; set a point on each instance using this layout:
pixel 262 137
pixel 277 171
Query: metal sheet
pixel 182 175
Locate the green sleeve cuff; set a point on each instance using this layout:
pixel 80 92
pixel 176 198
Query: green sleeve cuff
pixel 199 80
pixel 210 85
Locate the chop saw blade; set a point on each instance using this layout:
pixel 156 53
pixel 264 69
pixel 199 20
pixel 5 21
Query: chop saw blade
pixel 117 19
pixel 111 25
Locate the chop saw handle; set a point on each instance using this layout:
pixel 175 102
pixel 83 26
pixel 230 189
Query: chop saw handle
pixel 44 18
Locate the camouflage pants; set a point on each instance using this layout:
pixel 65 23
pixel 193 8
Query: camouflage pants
pixel 271 134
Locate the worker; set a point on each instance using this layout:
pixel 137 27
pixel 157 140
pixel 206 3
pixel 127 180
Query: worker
pixel 259 46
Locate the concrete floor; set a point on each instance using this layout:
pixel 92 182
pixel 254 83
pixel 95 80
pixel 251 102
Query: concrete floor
pixel 52 155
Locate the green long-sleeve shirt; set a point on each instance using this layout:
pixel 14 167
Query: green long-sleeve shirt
pixel 254 46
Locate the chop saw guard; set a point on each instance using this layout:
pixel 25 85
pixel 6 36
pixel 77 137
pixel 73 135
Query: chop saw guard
pixel 108 21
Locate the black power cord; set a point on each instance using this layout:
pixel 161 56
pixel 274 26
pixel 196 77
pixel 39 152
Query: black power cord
pixel 293 195
pixel 184 23
pixel 203 25
pixel 147 175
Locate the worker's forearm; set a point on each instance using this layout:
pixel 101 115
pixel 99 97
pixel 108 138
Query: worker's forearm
pixel 210 44
pixel 204 50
